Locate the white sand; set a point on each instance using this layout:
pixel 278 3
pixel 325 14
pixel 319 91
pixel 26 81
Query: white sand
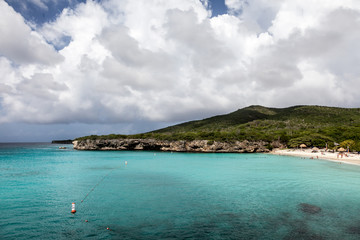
pixel 348 158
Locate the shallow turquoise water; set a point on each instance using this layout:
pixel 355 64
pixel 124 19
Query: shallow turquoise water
pixel 173 195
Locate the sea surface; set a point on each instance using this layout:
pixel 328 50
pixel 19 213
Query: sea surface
pixel 163 195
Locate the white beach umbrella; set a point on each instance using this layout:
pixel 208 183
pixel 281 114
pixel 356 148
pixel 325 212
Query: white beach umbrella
pixel 303 145
pixel 315 149
pixel 341 149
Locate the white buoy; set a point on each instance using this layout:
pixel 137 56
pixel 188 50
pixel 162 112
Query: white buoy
pixel 73 208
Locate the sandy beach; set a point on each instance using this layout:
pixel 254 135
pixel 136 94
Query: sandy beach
pixel 348 158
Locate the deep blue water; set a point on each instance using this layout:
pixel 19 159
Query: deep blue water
pixel 173 195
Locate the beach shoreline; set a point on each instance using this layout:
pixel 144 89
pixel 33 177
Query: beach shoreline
pixel 347 158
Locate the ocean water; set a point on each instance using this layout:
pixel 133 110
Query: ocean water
pixel 173 195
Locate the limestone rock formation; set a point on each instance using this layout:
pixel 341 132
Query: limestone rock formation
pixel 174 146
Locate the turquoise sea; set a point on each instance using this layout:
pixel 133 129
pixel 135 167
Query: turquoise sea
pixel 161 195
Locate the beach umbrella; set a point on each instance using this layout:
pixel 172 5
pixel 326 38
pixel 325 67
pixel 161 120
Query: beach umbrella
pixel 341 149
pixel 302 146
pixel 315 149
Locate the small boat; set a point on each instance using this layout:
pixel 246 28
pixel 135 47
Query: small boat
pixel 62 147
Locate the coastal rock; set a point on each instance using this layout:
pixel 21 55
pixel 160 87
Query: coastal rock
pixel 308 208
pixel 174 146
pixel 277 144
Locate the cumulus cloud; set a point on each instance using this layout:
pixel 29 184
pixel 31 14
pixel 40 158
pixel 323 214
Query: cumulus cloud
pixel 170 61
pixel 19 43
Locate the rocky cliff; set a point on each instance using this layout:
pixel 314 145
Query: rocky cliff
pixel 174 146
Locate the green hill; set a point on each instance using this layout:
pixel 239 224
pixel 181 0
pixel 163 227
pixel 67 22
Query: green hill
pixel 311 125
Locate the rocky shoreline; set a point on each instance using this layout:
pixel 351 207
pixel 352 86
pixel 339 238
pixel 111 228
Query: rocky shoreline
pixel 172 146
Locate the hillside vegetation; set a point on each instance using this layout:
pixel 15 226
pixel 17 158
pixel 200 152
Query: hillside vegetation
pixel 311 125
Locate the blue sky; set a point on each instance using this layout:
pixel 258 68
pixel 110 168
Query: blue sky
pixel 70 68
pixel 40 12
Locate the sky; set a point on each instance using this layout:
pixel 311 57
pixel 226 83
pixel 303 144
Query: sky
pixel 70 68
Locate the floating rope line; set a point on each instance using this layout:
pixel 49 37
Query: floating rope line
pixel 97 184
pixel 73 211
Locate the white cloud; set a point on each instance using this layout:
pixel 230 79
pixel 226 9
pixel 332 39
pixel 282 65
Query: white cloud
pixel 256 14
pixel 167 60
pixel 19 43
pixel 235 5
pixel 304 14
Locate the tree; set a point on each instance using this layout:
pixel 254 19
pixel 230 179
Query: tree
pixel 348 144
